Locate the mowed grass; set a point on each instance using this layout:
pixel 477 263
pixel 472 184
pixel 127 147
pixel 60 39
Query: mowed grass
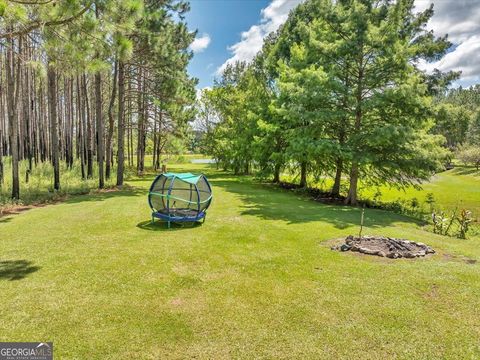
pixel 458 188
pixel 257 280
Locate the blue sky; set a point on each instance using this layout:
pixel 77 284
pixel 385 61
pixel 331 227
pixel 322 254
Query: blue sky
pixel 223 22
pixel 232 30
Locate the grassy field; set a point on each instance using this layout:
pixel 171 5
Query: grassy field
pixel 257 280
pixel 456 188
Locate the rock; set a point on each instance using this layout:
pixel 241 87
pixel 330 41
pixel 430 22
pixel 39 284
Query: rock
pixel 345 247
pixel 385 247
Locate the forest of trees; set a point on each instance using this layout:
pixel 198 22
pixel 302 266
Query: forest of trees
pixel 338 92
pixel 90 82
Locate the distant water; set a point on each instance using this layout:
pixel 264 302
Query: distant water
pixel 203 161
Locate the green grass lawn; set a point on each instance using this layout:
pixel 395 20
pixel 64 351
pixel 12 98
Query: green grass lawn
pixel 456 188
pixel 257 280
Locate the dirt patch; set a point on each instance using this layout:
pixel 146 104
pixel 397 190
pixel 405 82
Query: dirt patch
pixel 465 259
pixel 17 209
pixel 385 247
pixel 432 293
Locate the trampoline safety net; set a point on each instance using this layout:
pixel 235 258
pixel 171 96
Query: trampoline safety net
pixel 180 196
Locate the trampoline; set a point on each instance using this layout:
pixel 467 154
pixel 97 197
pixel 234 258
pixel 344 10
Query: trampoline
pixel 179 197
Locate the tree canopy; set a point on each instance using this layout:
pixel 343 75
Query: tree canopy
pixel 337 91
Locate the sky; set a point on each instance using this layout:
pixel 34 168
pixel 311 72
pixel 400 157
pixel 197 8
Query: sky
pixel 231 30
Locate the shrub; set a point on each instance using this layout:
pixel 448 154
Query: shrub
pixel 470 155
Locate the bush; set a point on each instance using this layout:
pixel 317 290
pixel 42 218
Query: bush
pixel 470 155
pixel 39 188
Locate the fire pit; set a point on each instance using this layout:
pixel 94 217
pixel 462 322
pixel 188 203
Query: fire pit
pixel 385 246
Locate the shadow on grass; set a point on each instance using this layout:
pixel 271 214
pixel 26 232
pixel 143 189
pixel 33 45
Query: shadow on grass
pixel 272 203
pixel 162 226
pixel 16 269
pixel 466 170
pixel 4 220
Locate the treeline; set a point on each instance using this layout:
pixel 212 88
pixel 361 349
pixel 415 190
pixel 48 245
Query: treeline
pixel 458 120
pixel 337 93
pixel 91 82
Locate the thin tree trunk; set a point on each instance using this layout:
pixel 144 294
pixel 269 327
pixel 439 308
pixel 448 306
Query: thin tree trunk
pixel 140 130
pixel 12 93
pixel 89 130
pixel 338 178
pixel 52 106
pixel 100 139
pixel 81 142
pixel 276 173
pixel 2 122
pixel 159 140
pixel 303 174
pixel 121 123
pixel 352 191
pixel 109 153
pixel 354 171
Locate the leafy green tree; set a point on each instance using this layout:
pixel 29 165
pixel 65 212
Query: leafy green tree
pixel 452 121
pixel 470 155
pixel 473 134
pixel 377 43
pixel 236 127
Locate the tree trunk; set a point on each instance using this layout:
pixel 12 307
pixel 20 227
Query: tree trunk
pixel 89 130
pixel 159 140
pixel 81 132
pixel 155 140
pixel 12 117
pixel 352 191
pixel 338 178
pixel 100 140
pixel 109 153
pixel 1 152
pixel 121 123
pixel 303 174
pixel 141 124
pixel 276 173
pixel 52 107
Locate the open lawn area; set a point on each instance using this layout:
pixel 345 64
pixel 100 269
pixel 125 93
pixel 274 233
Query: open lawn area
pixel 456 188
pixel 256 280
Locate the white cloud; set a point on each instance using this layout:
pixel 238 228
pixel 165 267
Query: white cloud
pixel 460 20
pixel 274 15
pixel 200 44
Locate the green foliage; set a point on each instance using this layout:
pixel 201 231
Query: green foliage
pixel 452 122
pixel 470 155
pixel 39 188
pixel 233 101
pixel 336 87
pixel 430 200
pixel 464 221
pixel 442 223
pixel 473 135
